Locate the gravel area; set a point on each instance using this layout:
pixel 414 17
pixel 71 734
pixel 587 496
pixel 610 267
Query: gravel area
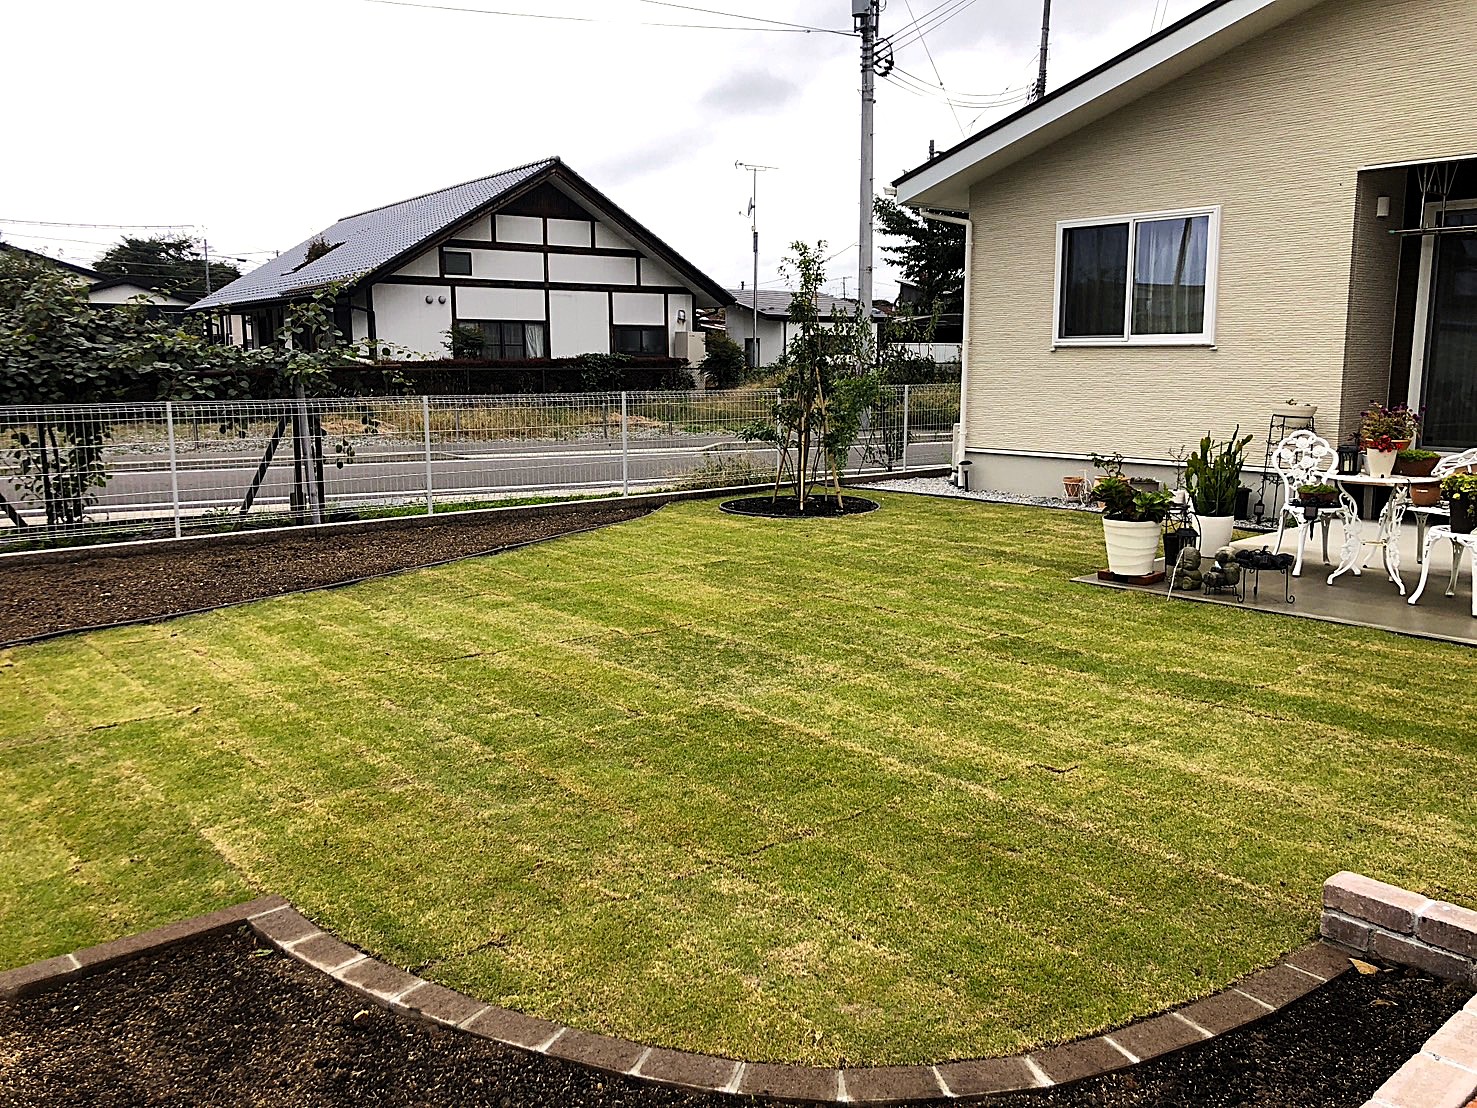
pixel 940 486
pixel 225 1022
pixel 98 588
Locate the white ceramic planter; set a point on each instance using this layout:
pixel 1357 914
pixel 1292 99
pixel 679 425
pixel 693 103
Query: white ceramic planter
pixel 1132 547
pixel 1381 463
pixel 1296 415
pixel 1215 532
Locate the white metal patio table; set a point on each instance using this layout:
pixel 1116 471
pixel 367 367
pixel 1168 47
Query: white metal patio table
pixel 1358 549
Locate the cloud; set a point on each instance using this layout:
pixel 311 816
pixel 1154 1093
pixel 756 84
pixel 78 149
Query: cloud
pixel 749 91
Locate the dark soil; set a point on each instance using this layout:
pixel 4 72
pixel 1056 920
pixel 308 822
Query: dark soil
pixel 97 588
pixel 819 506
pixel 1332 1049
pixel 222 1022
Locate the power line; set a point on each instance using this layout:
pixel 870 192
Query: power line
pixel 589 19
pixel 755 18
pixel 103 226
pixel 920 27
pixel 909 5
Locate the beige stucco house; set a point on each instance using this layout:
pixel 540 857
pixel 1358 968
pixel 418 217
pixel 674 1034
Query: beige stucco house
pixel 1269 200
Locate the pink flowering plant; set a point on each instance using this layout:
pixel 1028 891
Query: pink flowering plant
pixel 1381 427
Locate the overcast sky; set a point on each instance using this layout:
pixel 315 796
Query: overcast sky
pixel 260 123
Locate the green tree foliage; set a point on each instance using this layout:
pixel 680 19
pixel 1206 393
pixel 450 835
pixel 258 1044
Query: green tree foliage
pixel 724 365
pixel 175 265
pixel 930 256
pixel 826 382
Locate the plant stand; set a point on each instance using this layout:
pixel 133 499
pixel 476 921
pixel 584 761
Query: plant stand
pixel 1278 428
pixel 1254 563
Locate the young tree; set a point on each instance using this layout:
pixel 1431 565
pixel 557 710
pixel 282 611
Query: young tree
pixel 826 383
pixel 175 265
pixel 931 256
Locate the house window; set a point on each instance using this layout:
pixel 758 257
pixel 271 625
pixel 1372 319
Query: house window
pixel 1138 280
pixel 509 341
pixel 456 263
pixel 641 340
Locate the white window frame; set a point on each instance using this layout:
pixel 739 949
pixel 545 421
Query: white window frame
pixel 1212 280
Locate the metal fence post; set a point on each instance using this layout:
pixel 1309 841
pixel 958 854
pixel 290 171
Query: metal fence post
pixel 625 451
pixel 426 427
pixel 173 468
pixel 907 406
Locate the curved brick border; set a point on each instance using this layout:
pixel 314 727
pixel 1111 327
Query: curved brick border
pixel 276 921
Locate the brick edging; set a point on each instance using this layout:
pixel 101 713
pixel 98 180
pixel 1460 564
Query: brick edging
pixel 1443 1074
pixel 1395 925
pixel 38 977
pixel 279 924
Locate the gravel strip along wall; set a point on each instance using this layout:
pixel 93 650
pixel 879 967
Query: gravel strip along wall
pixel 1395 925
pixel 275 921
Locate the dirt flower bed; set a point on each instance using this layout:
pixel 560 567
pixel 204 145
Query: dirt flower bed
pixel 99 589
pixel 225 1022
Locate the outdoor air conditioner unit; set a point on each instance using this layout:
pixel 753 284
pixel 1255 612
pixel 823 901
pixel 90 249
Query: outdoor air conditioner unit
pixel 690 346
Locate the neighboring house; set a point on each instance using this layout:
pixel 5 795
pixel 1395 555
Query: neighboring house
pixel 775 328
pixel 535 258
pixel 108 290
pixel 939 338
pixel 1269 200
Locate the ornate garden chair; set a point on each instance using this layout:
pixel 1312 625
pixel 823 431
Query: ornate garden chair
pixel 1452 463
pixel 1304 459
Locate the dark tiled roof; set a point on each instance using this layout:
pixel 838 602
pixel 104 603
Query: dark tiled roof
pixel 775 303
pixel 371 239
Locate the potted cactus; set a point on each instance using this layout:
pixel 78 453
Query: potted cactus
pixel 1213 478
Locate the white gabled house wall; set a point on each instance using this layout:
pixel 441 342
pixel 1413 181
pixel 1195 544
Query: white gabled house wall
pixel 580 296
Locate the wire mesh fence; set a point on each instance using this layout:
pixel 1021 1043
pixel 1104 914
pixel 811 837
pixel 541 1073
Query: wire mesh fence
pixel 118 472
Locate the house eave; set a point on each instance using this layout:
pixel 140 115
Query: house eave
pixel 1179 49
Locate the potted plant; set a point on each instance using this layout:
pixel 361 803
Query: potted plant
pixel 1131 519
pixel 1213 478
pixel 1416 463
pixel 1295 415
pixel 1384 432
pixel 1461 490
pixel 1314 498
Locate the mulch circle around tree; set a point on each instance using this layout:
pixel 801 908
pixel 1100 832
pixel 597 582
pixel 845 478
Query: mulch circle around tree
pixel 820 506
pixel 100 588
pixel 222 1021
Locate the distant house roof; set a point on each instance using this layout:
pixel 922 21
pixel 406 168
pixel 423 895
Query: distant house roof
pixel 775 303
pixel 378 241
pixel 82 271
pixel 1203 35
pixel 159 296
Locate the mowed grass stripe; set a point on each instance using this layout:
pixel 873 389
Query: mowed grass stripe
pixel 889 789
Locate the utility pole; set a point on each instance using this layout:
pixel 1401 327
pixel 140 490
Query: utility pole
pixel 864 14
pixel 754 171
pixel 1040 88
pixel 205 248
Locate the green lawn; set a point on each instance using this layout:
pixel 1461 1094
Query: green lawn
pixel 886 789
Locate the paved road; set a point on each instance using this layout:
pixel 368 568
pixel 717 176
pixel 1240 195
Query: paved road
pixel 140 485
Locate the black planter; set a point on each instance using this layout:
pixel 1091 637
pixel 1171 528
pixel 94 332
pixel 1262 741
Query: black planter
pixel 1463 519
pixel 1176 541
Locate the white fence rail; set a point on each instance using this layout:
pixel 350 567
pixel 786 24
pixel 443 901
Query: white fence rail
pixel 117 472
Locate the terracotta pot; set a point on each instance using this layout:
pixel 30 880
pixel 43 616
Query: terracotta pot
pixel 1425 496
pixel 1074 487
pixel 1416 469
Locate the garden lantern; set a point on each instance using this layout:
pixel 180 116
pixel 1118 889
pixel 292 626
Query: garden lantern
pixel 1349 459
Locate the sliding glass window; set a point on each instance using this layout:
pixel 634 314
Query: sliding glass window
pixel 1138 280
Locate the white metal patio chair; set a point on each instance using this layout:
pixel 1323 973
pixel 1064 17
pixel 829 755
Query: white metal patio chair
pixel 1304 459
pixel 1452 463
pixel 1460 544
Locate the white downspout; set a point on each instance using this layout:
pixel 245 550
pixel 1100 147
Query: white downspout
pixel 959 438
